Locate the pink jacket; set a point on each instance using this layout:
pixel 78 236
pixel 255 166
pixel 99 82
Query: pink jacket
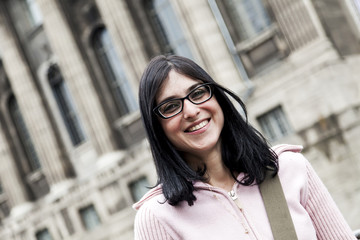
pixel 215 215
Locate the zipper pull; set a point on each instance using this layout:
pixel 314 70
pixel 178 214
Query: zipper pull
pixel 234 197
pixel 232 194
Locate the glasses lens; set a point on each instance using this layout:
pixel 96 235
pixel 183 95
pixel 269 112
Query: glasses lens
pixel 170 108
pixel 200 94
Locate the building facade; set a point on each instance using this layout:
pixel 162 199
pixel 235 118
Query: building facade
pixel 72 146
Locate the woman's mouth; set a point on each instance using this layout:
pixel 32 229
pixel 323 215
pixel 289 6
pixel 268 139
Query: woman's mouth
pixel 198 126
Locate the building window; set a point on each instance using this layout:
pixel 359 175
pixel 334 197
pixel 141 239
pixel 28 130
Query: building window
pixel 248 18
pixel 34 12
pixel 43 235
pixel 357 5
pixel 68 223
pixel 26 13
pixel 66 105
pixel 167 28
pixel 354 8
pixel 114 72
pixel 89 217
pixel 23 134
pixel 274 124
pixel 4 207
pixel 253 32
pixel 138 188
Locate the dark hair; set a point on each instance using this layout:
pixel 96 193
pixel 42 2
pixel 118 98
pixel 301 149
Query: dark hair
pixel 244 149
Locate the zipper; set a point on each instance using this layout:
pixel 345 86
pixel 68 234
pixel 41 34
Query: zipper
pixel 235 198
pixel 232 194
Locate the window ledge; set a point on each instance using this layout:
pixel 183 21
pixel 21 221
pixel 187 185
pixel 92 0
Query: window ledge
pixel 248 44
pixel 130 129
pixel 128 119
pixel 38 183
pixel 3 197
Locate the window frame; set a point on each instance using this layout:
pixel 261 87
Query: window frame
pixel 42 231
pixel 171 42
pixel 32 157
pixel 114 72
pixel 353 7
pixel 65 105
pixel 141 184
pixel 85 224
pixel 260 50
pixel 274 124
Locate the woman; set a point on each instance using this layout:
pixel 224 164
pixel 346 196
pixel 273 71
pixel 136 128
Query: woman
pixel 210 161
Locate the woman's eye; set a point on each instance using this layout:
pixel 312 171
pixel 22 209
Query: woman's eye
pixel 198 93
pixel 170 107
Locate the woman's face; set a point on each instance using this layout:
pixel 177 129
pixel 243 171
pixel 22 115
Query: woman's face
pixel 196 130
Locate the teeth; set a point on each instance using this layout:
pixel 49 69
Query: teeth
pixel 200 125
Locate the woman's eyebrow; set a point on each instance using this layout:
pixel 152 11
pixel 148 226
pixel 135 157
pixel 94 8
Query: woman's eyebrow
pixel 187 91
pixel 193 86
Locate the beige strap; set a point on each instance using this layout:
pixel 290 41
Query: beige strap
pixel 277 209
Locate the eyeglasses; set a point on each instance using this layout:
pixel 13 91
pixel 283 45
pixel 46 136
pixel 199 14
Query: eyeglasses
pixel 172 107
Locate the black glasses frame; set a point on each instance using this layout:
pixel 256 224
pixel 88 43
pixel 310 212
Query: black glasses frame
pixel 158 113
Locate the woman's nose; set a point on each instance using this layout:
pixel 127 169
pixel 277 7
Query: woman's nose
pixel 190 110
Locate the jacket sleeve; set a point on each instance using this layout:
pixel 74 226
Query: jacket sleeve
pixel 325 215
pixel 148 227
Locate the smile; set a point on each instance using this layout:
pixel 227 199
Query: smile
pixel 198 126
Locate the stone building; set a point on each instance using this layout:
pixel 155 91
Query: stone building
pixel 73 152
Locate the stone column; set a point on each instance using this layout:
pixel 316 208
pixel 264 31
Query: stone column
pixel 76 75
pixel 31 107
pixel 118 21
pixel 9 176
pixel 128 45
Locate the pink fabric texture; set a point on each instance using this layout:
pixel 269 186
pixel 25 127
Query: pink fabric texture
pixel 215 215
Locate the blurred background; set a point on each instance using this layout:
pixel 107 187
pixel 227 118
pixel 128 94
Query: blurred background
pixel 73 152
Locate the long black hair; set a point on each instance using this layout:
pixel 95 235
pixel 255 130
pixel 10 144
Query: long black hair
pixel 244 149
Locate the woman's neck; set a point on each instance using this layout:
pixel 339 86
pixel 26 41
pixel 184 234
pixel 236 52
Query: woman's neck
pixel 217 174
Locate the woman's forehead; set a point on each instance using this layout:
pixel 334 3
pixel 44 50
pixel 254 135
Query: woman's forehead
pixel 175 85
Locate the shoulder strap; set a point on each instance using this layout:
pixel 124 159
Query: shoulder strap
pixel 277 209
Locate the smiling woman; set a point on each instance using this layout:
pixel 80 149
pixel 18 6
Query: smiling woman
pixel 210 163
pixel 197 124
